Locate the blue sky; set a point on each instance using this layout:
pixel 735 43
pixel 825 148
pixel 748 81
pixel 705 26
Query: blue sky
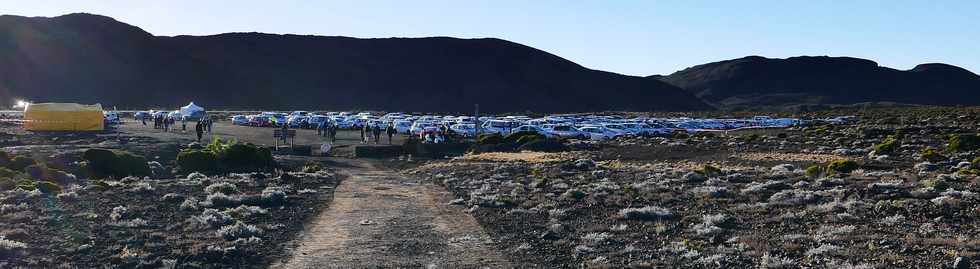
pixel 623 36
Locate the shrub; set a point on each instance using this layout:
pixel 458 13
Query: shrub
pixel 104 163
pixel 975 163
pixel 813 171
pixel 518 137
pixel 48 187
pixel 490 139
pixel 963 142
pixel 190 161
pixel 932 155
pixel 7 184
pixel 888 146
pixel 842 166
pixel 710 171
pixel 245 157
pixel 646 213
pixel 27 185
pixel 312 167
pixel 20 162
pixel 544 145
pixel 752 137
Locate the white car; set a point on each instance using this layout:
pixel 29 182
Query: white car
pixel 111 117
pixel 464 129
pixel 568 131
pixel 502 127
pixel 420 126
pixel 600 133
pixel 533 129
pixel 403 126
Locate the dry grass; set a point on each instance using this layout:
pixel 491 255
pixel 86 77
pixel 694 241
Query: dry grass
pixel 788 157
pixel 525 156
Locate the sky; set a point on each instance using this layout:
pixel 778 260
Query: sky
pixel 623 36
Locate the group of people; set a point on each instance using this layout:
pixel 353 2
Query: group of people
pixel 368 131
pixel 324 129
pixel 169 124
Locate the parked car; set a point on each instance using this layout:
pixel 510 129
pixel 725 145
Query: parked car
pixel 260 121
pixel 142 115
pixel 111 117
pixel 403 126
pixel 600 133
pixel 568 131
pixel 315 121
pixel 464 129
pixel 239 120
pixel 502 127
pixel 420 126
pixel 534 129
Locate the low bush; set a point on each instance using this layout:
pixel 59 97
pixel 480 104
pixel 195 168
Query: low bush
pixel 521 137
pixel 842 166
pixel 814 171
pixel 932 155
pixel 710 171
pixel 18 163
pixel 544 145
pixel 47 187
pixel 490 139
pixel 190 161
pixel 888 146
pixel 230 156
pixel 963 142
pixel 27 184
pixel 104 163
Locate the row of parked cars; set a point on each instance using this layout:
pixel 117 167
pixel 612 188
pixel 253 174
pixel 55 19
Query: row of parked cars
pixel 595 127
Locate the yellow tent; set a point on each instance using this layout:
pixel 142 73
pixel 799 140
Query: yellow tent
pixel 63 117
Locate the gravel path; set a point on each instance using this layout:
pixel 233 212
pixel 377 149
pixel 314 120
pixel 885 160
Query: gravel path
pixel 379 219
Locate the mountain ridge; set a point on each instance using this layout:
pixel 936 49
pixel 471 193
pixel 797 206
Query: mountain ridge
pixel 94 58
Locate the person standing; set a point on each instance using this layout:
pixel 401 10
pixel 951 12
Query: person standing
pixel 285 132
pixel 377 134
pixel 183 124
pixel 199 129
pixel 365 133
pixel 210 124
pixel 390 131
pixel 333 133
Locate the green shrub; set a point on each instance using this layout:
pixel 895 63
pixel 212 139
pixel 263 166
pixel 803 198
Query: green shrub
pixel 842 166
pixel 4 159
pixel 975 163
pixel 680 135
pixel 937 184
pixel 48 187
pixel 709 171
pixel 888 146
pixel 245 157
pixel 27 184
pixel 7 184
pixel 813 171
pixel 963 142
pixel 312 167
pixel 752 137
pixel 104 163
pixel 544 145
pixel 18 163
pixel 490 139
pixel 512 139
pixel 189 161
pixel 932 155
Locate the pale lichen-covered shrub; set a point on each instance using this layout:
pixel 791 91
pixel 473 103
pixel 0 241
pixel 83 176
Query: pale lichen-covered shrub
pixel 212 218
pixel 238 230
pixel 646 213
pixel 221 187
pixel 771 261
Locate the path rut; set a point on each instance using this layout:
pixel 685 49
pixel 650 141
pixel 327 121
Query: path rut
pixel 379 219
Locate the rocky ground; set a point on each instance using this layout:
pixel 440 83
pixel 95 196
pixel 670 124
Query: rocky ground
pixel 165 220
pixel 876 194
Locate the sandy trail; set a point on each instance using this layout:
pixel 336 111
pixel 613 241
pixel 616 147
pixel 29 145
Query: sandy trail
pixel 379 219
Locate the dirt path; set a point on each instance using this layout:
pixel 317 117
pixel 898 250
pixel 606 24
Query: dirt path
pixel 379 219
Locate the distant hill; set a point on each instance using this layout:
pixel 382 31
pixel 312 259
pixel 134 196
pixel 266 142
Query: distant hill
pixel 90 58
pixel 756 81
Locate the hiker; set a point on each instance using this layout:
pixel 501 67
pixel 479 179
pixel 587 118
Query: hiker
pixel 333 133
pixel 143 119
pixel 166 124
pixel 377 134
pixel 285 130
pixel 390 131
pixel 183 124
pixel 364 133
pixel 199 129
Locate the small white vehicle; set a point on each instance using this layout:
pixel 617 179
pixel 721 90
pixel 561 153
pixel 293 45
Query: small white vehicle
pixel 533 129
pixel 403 126
pixel 501 127
pixel 568 131
pixel 420 126
pixel 111 117
pixel 600 133
pixel 464 129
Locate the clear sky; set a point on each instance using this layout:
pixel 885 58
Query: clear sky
pixel 630 37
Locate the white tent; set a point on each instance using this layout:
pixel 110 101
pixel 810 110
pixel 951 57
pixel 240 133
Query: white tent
pixel 192 112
